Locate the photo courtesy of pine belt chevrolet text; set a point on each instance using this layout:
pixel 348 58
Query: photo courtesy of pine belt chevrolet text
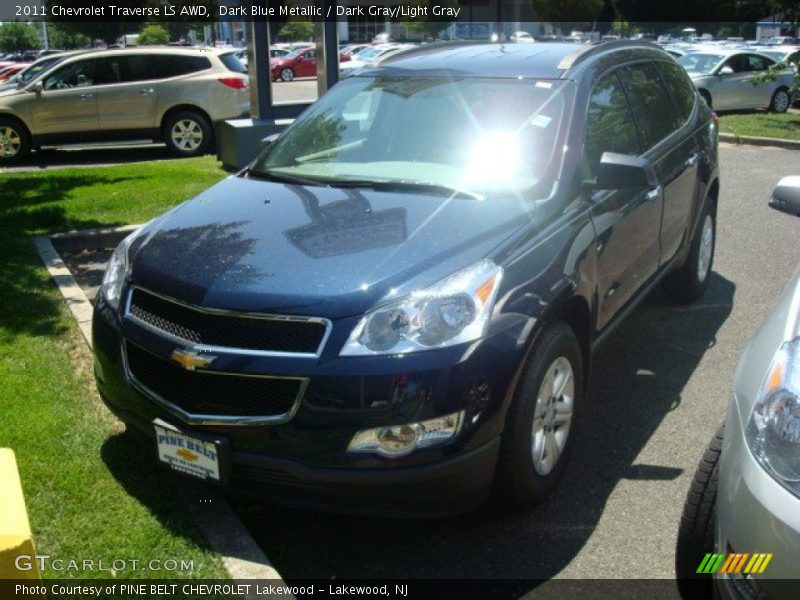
pixel 394 308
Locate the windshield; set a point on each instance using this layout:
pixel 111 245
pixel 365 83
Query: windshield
pixel 294 53
pixel 700 62
pixel 370 53
pixel 469 134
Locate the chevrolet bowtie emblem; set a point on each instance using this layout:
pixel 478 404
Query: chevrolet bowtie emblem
pixel 191 360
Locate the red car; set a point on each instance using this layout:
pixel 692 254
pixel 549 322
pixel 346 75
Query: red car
pixel 8 72
pixel 300 62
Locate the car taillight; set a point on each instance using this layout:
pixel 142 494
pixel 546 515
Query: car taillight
pixel 236 83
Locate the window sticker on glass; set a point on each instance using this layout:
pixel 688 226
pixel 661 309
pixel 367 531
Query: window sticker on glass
pixel 544 84
pixel 540 121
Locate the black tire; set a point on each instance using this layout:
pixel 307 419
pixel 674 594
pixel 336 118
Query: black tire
pixel 707 97
pixel 781 101
pixel 194 122
pixel 15 141
pixel 518 484
pixel 287 74
pixel 689 282
pixel 696 531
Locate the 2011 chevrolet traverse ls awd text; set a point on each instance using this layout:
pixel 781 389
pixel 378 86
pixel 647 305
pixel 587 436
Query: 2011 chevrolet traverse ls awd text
pixel 395 306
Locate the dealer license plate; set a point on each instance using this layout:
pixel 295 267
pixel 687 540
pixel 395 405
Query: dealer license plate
pixel 187 454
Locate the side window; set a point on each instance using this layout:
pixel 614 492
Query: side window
pixel 310 55
pixel 140 67
pixel 738 63
pixel 681 88
pixel 609 122
pixel 758 63
pixel 74 75
pixel 650 102
pixel 173 66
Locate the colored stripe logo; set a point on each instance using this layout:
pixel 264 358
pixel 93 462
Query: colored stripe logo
pixel 734 562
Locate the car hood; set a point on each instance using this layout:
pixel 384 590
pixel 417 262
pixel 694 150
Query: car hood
pixel 261 246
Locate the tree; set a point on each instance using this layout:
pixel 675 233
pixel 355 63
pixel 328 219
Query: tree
pixel 570 14
pixel 428 27
pixel 153 35
pixel 18 37
pixel 296 31
pixel 64 39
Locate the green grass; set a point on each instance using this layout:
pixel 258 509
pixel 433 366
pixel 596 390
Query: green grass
pixel 762 124
pixel 90 490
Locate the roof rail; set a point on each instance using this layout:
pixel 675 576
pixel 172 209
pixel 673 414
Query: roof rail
pixel 576 58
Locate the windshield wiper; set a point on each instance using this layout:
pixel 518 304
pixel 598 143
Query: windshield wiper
pixel 411 186
pixel 282 178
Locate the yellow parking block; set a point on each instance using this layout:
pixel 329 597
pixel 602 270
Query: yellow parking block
pixel 15 531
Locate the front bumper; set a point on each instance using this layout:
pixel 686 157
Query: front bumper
pixel 755 514
pixel 304 462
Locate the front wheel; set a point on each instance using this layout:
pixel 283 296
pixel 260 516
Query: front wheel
pixel 540 425
pixel 696 532
pixel 780 101
pixel 188 133
pixel 689 283
pixel 15 142
pixel 287 74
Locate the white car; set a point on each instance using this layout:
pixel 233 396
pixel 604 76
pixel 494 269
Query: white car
pixel 521 37
pixel 370 56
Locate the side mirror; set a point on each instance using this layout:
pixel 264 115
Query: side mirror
pixel 623 172
pixel 37 88
pixel 786 196
pixel 267 141
pixel 725 71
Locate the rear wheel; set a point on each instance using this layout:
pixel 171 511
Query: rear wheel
pixel 696 532
pixel 15 141
pixel 690 282
pixel 187 133
pixel 780 101
pixel 540 424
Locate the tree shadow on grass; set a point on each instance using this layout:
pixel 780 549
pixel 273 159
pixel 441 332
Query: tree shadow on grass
pixel 130 460
pixel 34 206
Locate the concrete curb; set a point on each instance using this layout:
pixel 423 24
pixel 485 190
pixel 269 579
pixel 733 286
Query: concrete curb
pixel 227 535
pixel 752 140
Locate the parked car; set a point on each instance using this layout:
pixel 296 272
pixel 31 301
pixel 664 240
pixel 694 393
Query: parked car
pixel 301 62
pixel 724 79
pixel 371 56
pixel 521 37
pixel 740 532
pixel 789 55
pixel 396 304
pixel 7 73
pixel 171 94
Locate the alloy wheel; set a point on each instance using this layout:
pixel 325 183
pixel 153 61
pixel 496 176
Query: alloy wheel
pixel 10 142
pixel 187 135
pixel 552 415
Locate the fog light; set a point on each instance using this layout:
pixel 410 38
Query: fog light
pixel 399 440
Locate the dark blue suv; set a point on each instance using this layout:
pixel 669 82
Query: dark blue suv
pixel 394 307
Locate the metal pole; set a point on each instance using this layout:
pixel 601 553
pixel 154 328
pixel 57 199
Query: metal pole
pixel 258 67
pixel 327 52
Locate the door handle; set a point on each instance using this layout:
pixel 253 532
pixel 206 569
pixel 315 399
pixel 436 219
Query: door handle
pixel 653 193
pixel 86 96
pixel 146 91
pixel 692 160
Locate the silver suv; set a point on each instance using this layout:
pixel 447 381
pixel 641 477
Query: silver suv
pixel 175 95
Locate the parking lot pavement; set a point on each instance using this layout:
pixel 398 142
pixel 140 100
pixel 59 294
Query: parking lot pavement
pixel 660 389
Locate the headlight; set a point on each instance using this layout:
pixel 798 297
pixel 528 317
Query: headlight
pixel 773 431
pixel 399 440
pixel 453 311
pixel 116 272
